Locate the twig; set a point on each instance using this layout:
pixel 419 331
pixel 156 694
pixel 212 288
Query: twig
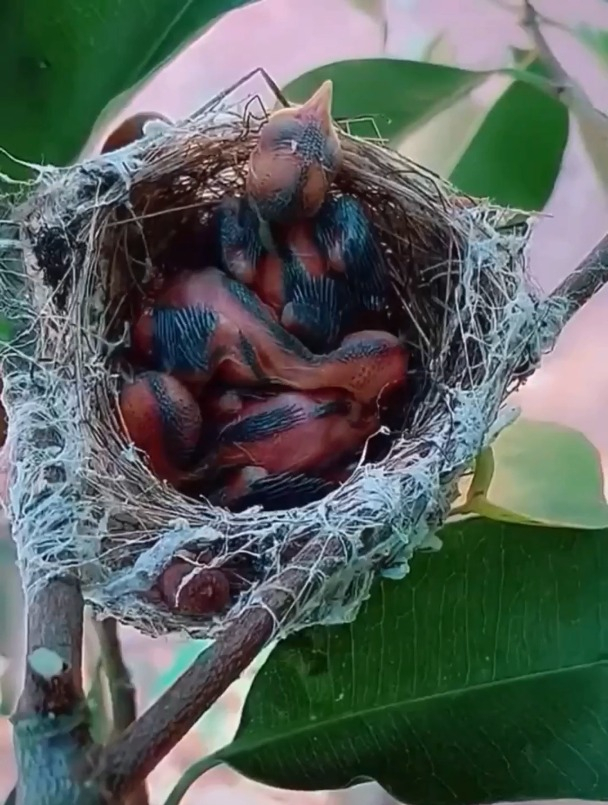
pixel 53 745
pixel 122 690
pixel 542 18
pixel 579 286
pixel 217 99
pixel 565 88
pixel 127 761
pixel 120 684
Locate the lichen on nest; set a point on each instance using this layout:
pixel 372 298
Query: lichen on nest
pixel 82 499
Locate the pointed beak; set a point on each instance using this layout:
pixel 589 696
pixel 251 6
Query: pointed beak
pixel 318 106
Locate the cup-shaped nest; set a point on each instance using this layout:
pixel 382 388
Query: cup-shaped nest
pixel 83 500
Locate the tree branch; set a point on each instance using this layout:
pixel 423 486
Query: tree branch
pixel 579 286
pixel 564 86
pixel 129 759
pixel 122 690
pixel 53 745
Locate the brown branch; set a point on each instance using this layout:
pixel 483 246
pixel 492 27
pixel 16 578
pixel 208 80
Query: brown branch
pixel 122 691
pixel 53 745
pixel 54 626
pixel 564 86
pixel 129 759
pixel 579 286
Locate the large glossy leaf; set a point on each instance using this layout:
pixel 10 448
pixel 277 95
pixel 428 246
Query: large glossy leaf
pixel 543 473
pixel 480 677
pixel 516 155
pixel 441 141
pixel 399 95
pixel 62 62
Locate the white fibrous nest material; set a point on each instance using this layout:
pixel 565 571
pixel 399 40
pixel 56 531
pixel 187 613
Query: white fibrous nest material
pixel 83 501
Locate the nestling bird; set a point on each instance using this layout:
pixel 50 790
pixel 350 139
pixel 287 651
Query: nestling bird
pixel 369 363
pixel 316 312
pixel 131 129
pixel 295 255
pixel 163 419
pixel 253 486
pixel 239 246
pixel 293 280
pixel 295 432
pixel 345 237
pixel 224 404
pixel 295 160
pixel 205 325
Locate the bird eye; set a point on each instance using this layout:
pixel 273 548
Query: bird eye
pixel 280 133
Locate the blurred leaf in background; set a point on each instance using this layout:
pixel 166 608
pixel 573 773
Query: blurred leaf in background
pixel 12 624
pixel 595 39
pixel 400 95
pixel 516 154
pixel 480 678
pixel 545 473
pixel 63 64
pixel 511 153
pixel 439 143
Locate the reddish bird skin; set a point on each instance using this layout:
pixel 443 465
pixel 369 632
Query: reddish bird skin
pixel 163 420
pixel 205 324
pixel 295 160
pixel 130 130
pixel 293 281
pixel 295 432
pixel 368 364
pixel 238 242
pixel 253 486
pixel 295 255
pixel 190 589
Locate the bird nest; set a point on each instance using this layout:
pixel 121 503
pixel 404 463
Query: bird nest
pixel 83 501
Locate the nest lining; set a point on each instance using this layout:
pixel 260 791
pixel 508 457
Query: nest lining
pixel 81 498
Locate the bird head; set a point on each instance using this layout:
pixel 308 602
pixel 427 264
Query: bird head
pixel 292 120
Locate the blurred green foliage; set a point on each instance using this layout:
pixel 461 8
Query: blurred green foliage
pixel 64 63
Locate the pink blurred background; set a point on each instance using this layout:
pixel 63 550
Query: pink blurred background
pixel 289 37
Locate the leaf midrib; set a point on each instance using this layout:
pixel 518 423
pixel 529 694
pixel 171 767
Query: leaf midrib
pixel 240 745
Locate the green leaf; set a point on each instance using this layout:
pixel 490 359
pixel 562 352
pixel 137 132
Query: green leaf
pixel 481 677
pixel 516 154
pixel 399 95
pixel 64 62
pixel 441 141
pixel 546 473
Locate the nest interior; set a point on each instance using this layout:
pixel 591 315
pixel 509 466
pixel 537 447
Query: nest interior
pixel 95 234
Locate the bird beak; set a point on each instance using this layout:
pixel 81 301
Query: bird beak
pixel 318 106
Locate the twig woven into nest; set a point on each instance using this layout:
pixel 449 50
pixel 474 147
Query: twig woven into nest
pixel 82 499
